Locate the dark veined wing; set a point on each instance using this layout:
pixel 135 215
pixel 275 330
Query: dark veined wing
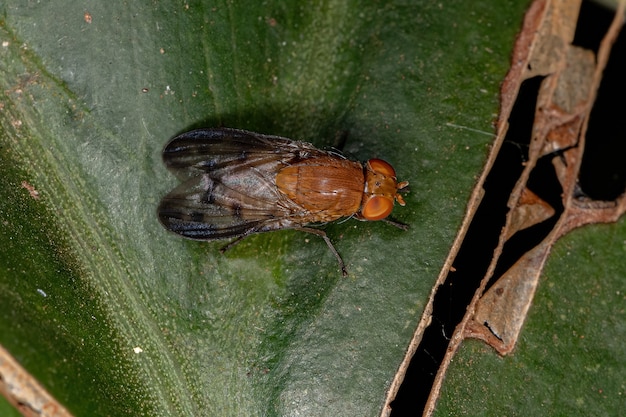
pixel 229 186
pixel 217 149
pixel 203 208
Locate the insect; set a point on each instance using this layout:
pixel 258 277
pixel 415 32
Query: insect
pixel 236 183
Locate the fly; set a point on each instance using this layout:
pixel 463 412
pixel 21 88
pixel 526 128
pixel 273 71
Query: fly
pixel 236 183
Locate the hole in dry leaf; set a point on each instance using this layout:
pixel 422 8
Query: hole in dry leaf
pixel 603 170
pixel 473 258
pixel 545 184
pixel 593 23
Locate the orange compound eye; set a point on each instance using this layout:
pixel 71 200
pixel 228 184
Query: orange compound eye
pixel 377 208
pixel 382 167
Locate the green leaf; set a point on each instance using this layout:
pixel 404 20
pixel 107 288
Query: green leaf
pixel 570 359
pixel 114 315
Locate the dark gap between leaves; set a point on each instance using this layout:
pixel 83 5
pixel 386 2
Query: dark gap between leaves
pixel 593 23
pixel 603 170
pixel 545 184
pixel 473 258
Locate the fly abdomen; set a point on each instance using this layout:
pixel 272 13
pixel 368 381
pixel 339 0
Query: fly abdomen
pixel 324 185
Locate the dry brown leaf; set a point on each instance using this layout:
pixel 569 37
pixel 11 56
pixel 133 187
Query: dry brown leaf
pixel 24 392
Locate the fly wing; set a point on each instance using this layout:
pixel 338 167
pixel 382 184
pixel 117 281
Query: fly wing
pixel 229 186
pixel 223 149
pixel 204 208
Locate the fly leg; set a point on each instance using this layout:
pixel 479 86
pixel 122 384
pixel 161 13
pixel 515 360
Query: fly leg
pixel 323 235
pixel 318 232
pixel 396 224
pixel 231 244
pixel 238 239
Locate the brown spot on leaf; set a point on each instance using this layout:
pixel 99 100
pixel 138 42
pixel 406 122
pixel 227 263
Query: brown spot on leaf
pixel 31 190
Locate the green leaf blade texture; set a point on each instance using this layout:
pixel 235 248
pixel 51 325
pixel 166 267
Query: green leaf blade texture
pixel 137 321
